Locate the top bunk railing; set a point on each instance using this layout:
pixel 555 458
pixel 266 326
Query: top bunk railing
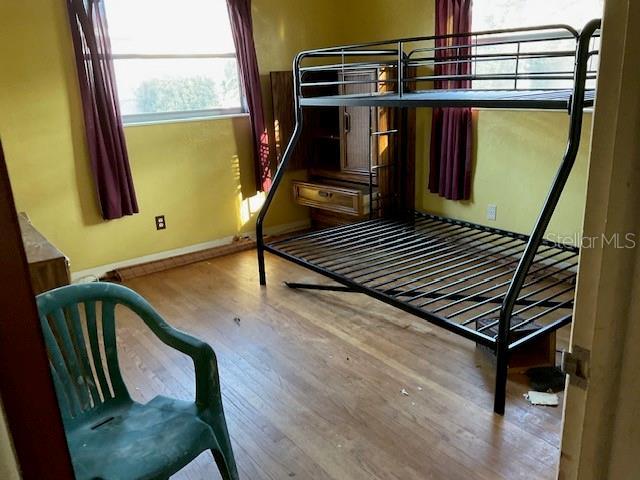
pixel 530 59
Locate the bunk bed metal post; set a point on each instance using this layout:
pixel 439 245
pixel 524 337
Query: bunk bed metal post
pixel 288 153
pixel 400 68
pixel 395 202
pixel 576 110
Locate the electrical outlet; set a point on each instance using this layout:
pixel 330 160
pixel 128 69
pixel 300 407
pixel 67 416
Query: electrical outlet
pixel 160 223
pixel 492 211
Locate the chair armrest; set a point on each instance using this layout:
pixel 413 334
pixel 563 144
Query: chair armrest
pixel 204 358
pixel 204 362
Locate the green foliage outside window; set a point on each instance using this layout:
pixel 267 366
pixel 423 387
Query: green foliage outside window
pixel 180 94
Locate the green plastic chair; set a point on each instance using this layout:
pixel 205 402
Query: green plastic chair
pixel 110 436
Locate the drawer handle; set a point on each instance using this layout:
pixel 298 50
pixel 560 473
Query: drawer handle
pixel 324 194
pixel 347 122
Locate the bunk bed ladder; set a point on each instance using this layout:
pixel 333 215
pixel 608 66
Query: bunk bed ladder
pixel 576 110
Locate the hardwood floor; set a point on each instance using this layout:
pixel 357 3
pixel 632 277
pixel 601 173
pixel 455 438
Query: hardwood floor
pixel 313 382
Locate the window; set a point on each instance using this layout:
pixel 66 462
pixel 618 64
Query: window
pixel 496 14
pixel 503 14
pixel 173 59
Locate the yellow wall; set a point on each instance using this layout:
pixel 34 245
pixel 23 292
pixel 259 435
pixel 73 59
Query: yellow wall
pixel 198 174
pixel 370 20
pixel 516 154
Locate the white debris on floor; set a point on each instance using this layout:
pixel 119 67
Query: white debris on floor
pixel 542 398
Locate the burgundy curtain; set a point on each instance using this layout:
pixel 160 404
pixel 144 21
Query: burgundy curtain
pixel 242 30
pixel 451 140
pixel 105 136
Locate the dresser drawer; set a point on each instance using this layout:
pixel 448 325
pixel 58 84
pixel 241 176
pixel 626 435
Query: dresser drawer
pixel 350 200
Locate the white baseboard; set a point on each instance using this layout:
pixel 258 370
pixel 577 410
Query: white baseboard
pixel 99 271
pixel 94 273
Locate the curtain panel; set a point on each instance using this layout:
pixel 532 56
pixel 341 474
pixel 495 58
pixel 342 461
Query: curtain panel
pixel 103 123
pixel 451 131
pixel 242 31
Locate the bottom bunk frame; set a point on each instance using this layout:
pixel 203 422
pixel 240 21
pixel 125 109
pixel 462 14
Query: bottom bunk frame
pixel 450 273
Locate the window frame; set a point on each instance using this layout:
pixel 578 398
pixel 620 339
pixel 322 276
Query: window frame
pixel 176 116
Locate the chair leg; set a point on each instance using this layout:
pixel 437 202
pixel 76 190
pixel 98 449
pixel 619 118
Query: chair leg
pixel 223 455
pixel 226 467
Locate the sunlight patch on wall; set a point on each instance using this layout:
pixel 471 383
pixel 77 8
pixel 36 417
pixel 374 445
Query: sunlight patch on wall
pixel 249 207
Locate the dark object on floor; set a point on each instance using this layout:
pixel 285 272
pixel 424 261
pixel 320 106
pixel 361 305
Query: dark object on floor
pixel 543 379
pixel 109 435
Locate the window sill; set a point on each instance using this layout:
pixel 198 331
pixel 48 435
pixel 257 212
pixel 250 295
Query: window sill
pixel 199 118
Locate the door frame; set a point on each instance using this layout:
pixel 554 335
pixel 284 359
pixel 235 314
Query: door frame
pixel 26 388
pixel 601 429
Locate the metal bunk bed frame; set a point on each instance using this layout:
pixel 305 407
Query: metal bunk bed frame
pixel 343 253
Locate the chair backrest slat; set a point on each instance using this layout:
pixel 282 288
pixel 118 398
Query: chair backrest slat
pixel 62 378
pixel 71 357
pixel 94 343
pixel 111 350
pixel 77 336
pixel 63 400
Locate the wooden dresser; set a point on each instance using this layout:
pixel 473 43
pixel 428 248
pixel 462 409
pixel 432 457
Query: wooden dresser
pixel 48 266
pixel 344 149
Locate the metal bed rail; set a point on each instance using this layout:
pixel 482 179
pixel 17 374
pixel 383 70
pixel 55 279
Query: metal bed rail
pixel 533 58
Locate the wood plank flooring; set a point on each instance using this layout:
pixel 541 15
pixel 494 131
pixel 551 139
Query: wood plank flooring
pixel 312 382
